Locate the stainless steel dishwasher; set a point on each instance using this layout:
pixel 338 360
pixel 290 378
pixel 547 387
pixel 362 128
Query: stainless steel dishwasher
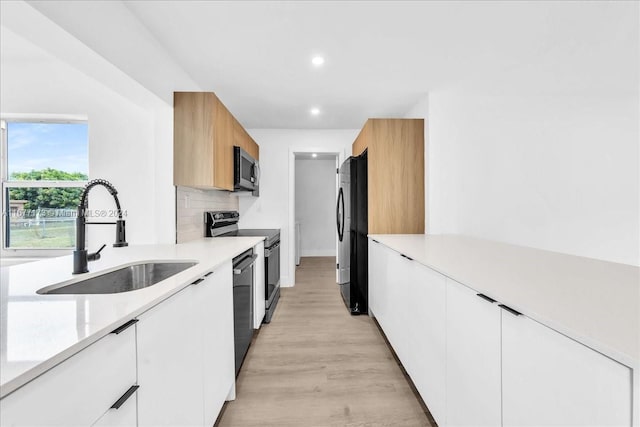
pixel 243 304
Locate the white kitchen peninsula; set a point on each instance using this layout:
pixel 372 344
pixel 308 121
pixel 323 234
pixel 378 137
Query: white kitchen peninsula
pixel 523 336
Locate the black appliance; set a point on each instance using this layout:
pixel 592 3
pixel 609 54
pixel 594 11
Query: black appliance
pixel 225 224
pixel 243 304
pixel 353 226
pixel 246 172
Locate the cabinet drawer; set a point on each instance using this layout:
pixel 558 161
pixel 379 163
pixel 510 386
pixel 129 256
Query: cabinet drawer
pixel 79 390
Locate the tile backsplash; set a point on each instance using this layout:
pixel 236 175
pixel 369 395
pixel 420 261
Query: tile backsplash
pixel 191 204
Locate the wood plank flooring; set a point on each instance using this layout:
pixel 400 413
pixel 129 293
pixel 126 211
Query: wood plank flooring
pixel 316 365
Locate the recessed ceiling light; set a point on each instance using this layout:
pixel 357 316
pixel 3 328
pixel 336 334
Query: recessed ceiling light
pixel 317 61
pixel 315 111
pixel 314 155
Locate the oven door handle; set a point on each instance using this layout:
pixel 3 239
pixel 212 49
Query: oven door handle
pixel 268 252
pixel 246 263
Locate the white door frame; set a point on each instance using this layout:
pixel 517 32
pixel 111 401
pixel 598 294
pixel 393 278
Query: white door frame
pixel 292 199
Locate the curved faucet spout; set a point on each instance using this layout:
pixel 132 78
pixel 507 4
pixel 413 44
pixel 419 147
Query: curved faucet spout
pixel 80 255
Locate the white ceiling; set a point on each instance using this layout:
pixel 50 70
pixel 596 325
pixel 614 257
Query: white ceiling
pixel 381 57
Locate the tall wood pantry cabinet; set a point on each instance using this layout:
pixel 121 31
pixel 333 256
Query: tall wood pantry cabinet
pixel 395 151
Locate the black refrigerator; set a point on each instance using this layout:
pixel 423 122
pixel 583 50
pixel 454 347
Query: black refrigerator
pixel 352 224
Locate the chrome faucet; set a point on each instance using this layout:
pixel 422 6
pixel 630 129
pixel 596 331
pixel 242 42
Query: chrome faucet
pixel 80 255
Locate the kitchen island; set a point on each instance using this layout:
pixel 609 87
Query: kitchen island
pixel 43 334
pixel 503 334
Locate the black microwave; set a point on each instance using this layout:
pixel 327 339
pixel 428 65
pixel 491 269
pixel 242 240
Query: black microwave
pixel 246 171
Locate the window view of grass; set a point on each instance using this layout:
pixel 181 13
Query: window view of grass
pixel 41 215
pixel 42 234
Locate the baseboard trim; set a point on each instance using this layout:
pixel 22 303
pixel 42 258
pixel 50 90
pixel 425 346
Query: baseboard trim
pixel 285 282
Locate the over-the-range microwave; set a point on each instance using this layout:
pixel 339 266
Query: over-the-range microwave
pixel 246 171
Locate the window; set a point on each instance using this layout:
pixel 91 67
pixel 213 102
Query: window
pixel 44 167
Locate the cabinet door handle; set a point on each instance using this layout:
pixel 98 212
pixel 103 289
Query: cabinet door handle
pixel 208 274
pixel 510 310
pixel 127 394
pixel 404 256
pixel 374 240
pixel 486 298
pixel 125 326
pixel 198 281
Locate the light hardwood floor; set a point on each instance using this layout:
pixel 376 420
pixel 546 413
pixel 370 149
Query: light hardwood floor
pixel 316 365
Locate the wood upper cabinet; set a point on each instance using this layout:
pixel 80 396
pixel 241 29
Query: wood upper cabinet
pixel 395 150
pixel 204 133
pixel 362 141
pixel 242 139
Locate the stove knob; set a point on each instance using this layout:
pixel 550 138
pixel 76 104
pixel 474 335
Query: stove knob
pixel 217 216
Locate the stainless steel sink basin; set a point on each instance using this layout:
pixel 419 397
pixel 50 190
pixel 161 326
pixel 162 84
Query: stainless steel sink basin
pixel 124 279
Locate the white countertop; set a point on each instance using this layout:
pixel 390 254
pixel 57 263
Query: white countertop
pixel 39 331
pixel 594 302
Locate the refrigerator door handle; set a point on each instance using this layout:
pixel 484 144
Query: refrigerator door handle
pixel 338 214
pixel 340 221
pixel 343 213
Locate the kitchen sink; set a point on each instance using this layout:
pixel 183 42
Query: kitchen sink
pixel 123 279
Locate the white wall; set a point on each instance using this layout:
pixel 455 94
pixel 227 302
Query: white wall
pixel 275 206
pixel 163 212
pixel 545 152
pixel 557 172
pixel 315 200
pixel 129 145
pixel 112 30
pixel 130 109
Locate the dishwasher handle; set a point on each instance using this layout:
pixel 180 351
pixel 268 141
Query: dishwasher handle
pixel 244 264
pixel 269 250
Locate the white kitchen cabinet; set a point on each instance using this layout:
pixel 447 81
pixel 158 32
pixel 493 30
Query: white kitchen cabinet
pixel 186 354
pixel 424 311
pixel 408 301
pixel 378 270
pixel 259 287
pixel 374 273
pixel 506 369
pixel 476 362
pixel 382 275
pixel 388 289
pixel 218 376
pixel 170 362
pixel 472 358
pixel 550 379
pixel 79 390
pixel 395 294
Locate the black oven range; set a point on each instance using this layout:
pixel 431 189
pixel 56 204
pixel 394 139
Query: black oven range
pixel 225 224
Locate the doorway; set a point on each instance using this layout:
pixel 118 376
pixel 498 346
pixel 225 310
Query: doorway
pixel 315 183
